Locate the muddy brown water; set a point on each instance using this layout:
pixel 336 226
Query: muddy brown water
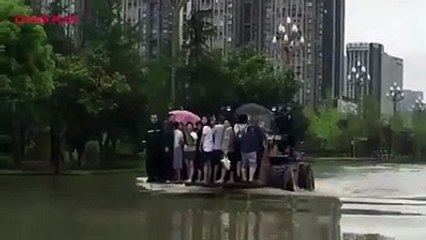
pixel 376 201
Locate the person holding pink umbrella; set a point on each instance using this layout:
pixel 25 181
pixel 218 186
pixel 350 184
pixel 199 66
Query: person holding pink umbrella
pixel 185 117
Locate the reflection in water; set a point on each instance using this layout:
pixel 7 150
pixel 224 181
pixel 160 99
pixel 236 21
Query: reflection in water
pixel 110 208
pixel 234 219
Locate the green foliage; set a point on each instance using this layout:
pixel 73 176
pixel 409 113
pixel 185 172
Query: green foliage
pixel 92 88
pixel 338 132
pixel 419 129
pixel 56 33
pixel 324 126
pixel 106 85
pixel 205 87
pixel 202 80
pixel 157 76
pixel 26 63
pixel 258 81
pixel 207 81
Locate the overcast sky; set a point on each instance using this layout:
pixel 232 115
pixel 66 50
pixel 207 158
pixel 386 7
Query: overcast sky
pixel 400 25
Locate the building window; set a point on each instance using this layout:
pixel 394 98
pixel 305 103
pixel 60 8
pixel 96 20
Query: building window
pixel 247 12
pixel 246 34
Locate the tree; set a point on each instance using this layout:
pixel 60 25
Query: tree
pixel 114 44
pixel 206 86
pixel 371 124
pixel 198 30
pixel 324 126
pixel 204 82
pixel 61 106
pixel 82 94
pixel 157 75
pixel 27 67
pixel 258 81
pixel 419 130
pixel 56 33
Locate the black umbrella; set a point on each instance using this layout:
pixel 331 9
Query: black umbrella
pixel 257 113
pixel 253 109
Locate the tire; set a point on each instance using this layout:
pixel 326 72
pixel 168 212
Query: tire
pixel 301 176
pixel 289 183
pixel 306 178
pixel 311 178
pixel 281 178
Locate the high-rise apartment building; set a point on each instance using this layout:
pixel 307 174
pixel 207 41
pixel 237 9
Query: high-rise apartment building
pixel 156 18
pixel 70 6
pixel 384 71
pixel 250 23
pixel 319 62
pixel 132 11
pixel 333 42
pixel 223 17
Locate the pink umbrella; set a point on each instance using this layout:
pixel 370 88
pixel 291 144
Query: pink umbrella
pixel 184 116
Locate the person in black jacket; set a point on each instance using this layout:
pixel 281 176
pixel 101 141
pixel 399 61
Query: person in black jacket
pixel 154 149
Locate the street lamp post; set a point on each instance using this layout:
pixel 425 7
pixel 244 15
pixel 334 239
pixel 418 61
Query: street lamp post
pixel 396 95
pixel 177 6
pixel 288 40
pixel 358 78
pixel 419 105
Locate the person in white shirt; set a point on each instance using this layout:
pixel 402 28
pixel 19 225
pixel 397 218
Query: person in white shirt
pixel 189 149
pixel 207 149
pixel 218 132
pixel 177 150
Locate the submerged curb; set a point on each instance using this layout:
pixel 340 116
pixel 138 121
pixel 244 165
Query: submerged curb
pixel 68 172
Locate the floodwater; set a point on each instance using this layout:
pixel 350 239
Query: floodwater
pixel 387 199
pixel 383 199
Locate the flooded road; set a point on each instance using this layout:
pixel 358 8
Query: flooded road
pixel 389 199
pixel 385 199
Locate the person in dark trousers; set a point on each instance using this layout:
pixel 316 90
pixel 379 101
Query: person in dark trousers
pixel 207 145
pixel 168 142
pixel 198 164
pixel 262 146
pixel 239 129
pixel 154 150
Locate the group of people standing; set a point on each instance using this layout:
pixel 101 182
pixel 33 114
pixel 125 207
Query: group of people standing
pixel 199 152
